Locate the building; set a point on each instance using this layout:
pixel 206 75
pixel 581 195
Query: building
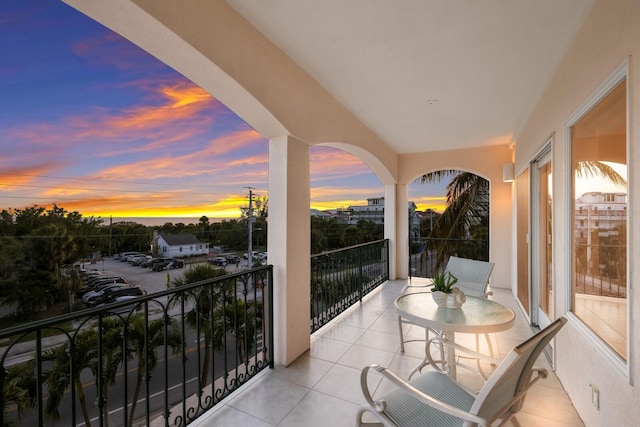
pixel 374 211
pixel 601 221
pixel 517 92
pixel 178 246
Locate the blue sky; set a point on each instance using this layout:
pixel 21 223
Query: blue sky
pixel 93 123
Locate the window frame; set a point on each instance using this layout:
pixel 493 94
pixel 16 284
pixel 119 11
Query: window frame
pixel 620 74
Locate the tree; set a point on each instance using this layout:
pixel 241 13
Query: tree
pixel 57 379
pixel 19 387
pixel 144 344
pixel 467 206
pixel 113 353
pixel 243 318
pixel 206 301
pixel 260 209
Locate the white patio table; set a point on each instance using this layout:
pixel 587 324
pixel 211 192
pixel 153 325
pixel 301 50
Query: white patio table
pixel 476 316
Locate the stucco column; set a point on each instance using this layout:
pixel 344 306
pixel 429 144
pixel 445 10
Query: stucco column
pixel 396 228
pixel 290 245
pixel 390 226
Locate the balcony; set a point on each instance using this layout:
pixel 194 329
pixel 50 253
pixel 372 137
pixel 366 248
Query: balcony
pixel 319 388
pixel 322 387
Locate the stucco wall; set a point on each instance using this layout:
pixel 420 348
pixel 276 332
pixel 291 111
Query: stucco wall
pixel 609 36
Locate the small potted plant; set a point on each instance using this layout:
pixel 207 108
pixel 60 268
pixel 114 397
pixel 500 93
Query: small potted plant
pixel 443 291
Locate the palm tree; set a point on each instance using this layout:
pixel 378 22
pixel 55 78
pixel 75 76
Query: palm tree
pixel 58 378
pixel 467 207
pixel 206 302
pixel 144 346
pixel 244 319
pixel 113 353
pixel 468 202
pixel 19 387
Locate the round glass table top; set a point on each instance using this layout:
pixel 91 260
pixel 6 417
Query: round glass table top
pixel 477 315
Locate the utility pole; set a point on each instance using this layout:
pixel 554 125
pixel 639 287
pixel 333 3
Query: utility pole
pixel 250 222
pixel 110 232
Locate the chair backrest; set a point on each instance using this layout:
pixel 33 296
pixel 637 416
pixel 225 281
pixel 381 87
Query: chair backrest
pixel 473 276
pixel 512 375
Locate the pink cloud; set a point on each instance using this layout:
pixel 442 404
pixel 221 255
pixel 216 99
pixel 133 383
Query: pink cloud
pixel 182 112
pixel 13 178
pixel 206 161
pixel 331 162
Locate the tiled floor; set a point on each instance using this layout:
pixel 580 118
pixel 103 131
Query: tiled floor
pixel 322 387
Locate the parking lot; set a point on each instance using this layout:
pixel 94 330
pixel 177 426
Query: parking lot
pixel 149 280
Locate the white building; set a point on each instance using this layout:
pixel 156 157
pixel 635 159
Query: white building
pixel 374 211
pixel 179 246
pixel 600 221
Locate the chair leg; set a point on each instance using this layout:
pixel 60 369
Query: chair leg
pixel 401 335
pixel 490 346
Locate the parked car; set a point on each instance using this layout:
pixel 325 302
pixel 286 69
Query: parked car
pixel 129 308
pixel 253 253
pixel 168 264
pixel 110 295
pixel 86 298
pixel 232 259
pixel 97 285
pixel 135 258
pixel 139 260
pixel 151 262
pixel 218 260
pixel 124 256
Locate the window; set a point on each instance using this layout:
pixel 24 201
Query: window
pixel 598 142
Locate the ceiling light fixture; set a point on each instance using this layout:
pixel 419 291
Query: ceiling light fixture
pixel 432 101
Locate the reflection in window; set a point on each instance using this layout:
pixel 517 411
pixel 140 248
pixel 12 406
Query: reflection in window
pixel 599 159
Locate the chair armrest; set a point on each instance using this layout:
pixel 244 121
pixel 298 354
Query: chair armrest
pixel 406 287
pixel 459 349
pixel 380 405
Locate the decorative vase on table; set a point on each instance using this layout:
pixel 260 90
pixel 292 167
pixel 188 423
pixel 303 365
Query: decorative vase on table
pixel 454 299
pixel 443 292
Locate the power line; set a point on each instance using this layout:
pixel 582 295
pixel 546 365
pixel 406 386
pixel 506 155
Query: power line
pixel 96 189
pixel 102 180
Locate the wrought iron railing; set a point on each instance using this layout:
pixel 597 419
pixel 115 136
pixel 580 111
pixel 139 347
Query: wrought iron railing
pixel 601 269
pixel 161 359
pixel 342 277
pixel 431 254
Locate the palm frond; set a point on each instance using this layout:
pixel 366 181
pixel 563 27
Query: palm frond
pixel 437 176
pixel 592 168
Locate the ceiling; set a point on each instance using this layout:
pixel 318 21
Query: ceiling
pixel 426 74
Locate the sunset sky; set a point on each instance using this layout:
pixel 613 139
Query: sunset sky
pixel 93 123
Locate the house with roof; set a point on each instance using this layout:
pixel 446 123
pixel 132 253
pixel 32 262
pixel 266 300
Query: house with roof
pixel 178 246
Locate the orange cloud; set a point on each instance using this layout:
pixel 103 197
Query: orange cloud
pixel 180 101
pixel 20 176
pixel 182 111
pixel 206 161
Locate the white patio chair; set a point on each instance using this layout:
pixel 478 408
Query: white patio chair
pixel 473 278
pixel 434 399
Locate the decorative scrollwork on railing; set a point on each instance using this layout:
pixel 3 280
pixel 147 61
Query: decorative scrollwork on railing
pixel 341 278
pixel 200 342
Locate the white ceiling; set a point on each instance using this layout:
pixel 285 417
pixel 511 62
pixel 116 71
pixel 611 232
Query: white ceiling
pixel 426 74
